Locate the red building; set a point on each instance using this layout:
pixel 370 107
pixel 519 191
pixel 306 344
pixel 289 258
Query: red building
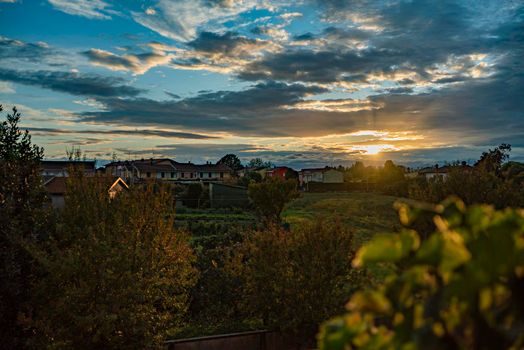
pixel 280 171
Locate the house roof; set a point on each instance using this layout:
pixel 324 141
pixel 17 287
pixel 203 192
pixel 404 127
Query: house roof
pixel 169 165
pixel 65 164
pixel 444 169
pixel 58 184
pixel 146 166
pixel 316 170
pixel 212 167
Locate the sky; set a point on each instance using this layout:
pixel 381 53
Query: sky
pixel 299 83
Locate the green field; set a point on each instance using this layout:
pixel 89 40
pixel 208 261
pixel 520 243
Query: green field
pixel 364 213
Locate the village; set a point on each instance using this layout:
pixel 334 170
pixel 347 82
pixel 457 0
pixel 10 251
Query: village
pixel 225 187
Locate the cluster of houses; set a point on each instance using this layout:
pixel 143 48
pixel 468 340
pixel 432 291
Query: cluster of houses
pixel 124 173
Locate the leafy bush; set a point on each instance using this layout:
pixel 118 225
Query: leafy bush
pixel 461 288
pixel 117 275
pixel 271 196
pixel 294 280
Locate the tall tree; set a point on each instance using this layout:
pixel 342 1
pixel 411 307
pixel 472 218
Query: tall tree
pixel 23 219
pixel 232 161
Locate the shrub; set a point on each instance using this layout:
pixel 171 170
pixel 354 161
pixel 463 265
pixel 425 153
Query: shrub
pixel 117 275
pixel 271 196
pixel 294 280
pixel 459 289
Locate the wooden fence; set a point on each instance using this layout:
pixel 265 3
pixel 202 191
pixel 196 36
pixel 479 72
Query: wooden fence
pixel 255 340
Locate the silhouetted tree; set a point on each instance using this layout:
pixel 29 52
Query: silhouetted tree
pixel 492 160
pixel 232 161
pixel 259 163
pixel 23 220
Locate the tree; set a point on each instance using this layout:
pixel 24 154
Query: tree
pixel 492 160
pixel 232 161
pixel 489 181
pixel 23 219
pixel 294 280
pixel 459 289
pixel 271 196
pixel 259 163
pixel 117 274
pixel 250 177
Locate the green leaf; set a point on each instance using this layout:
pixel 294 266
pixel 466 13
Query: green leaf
pixel 387 248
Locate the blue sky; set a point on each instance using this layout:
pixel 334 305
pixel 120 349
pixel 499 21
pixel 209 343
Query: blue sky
pixel 301 83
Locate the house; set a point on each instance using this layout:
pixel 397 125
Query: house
pixel 56 188
pixel 436 171
pixel 167 170
pixel 323 175
pixel 52 168
pixel 260 170
pixel 280 172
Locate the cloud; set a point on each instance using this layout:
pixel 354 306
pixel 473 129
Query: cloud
pixel 182 20
pixel 82 84
pixel 117 132
pixel 429 43
pixel 92 9
pixel 19 50
pixel 262 109
pixel 6 88
pixel 138 64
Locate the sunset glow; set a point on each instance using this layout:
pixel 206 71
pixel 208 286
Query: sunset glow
pixel 294 83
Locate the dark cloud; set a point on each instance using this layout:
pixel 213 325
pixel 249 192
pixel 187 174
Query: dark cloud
pixel 415 37
pixel 16 49
pixel 225 44
pixel 157 133
pixel 265 109
pixel 81 84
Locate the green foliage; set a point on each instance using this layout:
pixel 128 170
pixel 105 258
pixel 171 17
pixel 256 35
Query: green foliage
pixel 250 177
pixel 473 186
pixel 259 163
pixel 23 219
pixel 271 196
pixel 232 161
pixel 459 289
pixel 194 196
pixel 117 275
pixel 293 280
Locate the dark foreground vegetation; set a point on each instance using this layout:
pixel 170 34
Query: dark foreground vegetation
pixel 127 273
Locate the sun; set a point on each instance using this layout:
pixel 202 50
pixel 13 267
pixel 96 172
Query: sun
pixel 375 149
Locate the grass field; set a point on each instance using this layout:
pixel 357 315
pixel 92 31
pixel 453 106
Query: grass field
pixel 365 213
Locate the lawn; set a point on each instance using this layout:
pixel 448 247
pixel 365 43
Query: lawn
pixel 365 213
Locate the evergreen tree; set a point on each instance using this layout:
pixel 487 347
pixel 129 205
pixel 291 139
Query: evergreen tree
pixel 23 220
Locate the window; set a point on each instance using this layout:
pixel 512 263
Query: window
pixel 148 174
pixel 183 175
pixel 191 175
pixel 172 175
pixel 209 175
pixel 201 175
pixel 221 175
pixel 162 175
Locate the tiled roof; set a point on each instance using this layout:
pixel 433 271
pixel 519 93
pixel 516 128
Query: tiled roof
pixel 58 184
pixel 314 170
pixel 65 164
